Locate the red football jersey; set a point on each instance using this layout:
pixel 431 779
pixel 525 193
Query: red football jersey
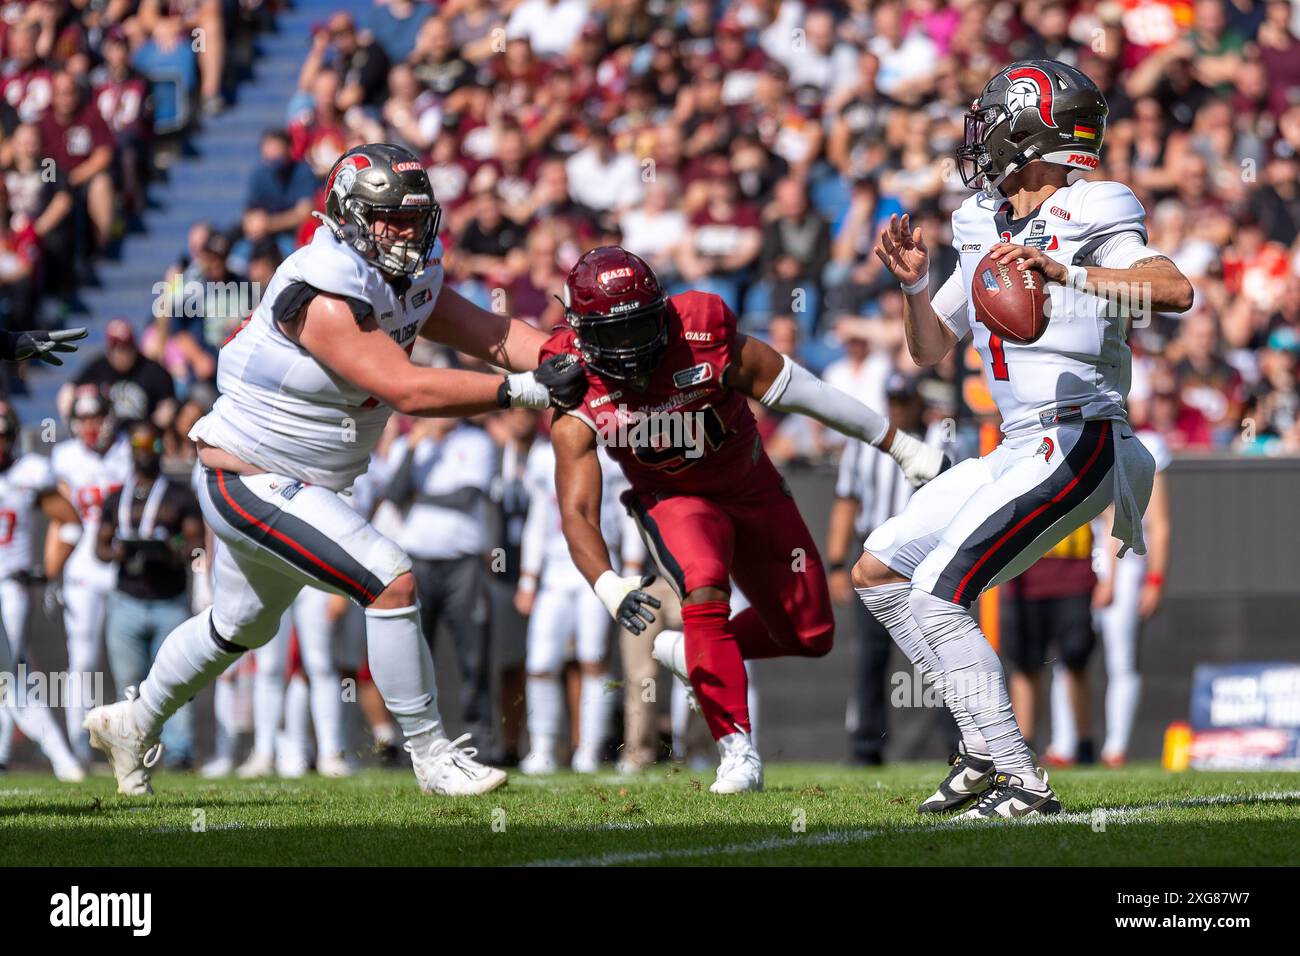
pixel 685 432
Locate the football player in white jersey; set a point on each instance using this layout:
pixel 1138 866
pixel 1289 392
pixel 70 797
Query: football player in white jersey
pixel 561 607
pixel 26 485
pixel 307 386
pixel 88 467
pixel 1067 449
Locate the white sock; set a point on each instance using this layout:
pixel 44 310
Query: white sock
pixel 223 710
pixel 189 660
pixel 327 710
pixel 268 695
pixel 680 715
pixel 297 716
pixel 889 604
pixel 384 734
pixel 33 718
pixel 1065 735
pixel 594 712
pixel 402 668
pixel 975 673
pixel 751 701
pixel 545 697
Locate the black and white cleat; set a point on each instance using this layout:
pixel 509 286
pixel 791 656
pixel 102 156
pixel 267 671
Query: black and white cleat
pixel 1008 798
pixel 968 777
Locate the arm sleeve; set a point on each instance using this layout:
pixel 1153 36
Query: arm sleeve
pixel 798 390
pixel 532 544
pixel 1120 251
pixel 950 304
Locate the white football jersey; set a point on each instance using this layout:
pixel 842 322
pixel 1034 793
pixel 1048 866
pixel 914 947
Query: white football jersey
pixel 1083 358
pixel 91 477
pixel 280 408
pixel 21 487
pixel 545 552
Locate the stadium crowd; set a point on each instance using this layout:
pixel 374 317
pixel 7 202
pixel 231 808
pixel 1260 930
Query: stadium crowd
pixel 750 148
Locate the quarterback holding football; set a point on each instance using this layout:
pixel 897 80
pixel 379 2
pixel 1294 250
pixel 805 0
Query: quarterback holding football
pixel 1060 380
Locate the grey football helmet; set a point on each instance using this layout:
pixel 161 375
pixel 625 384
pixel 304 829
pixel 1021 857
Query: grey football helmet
pixel 380 181
pixel 1033 109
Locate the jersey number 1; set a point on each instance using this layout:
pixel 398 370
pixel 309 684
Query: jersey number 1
pixel 1000 371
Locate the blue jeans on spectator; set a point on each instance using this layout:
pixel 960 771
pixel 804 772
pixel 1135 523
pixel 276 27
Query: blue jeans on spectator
pixel 134 631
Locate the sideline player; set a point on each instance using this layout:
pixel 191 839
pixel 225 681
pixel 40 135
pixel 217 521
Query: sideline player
pixel 307 386
pixel 1067 449
pixel 26 486
pixel 89 466
pixel 710 504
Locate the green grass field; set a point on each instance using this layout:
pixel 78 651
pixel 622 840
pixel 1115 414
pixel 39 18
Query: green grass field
pixel 810 815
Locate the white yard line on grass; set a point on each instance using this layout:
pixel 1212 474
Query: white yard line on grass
pixel 825 838
pixel 1112 815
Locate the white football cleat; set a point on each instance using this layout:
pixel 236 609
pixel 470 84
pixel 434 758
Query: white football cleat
pixel 586 761
pixel 670 650
pixel 538 763
pixel 741 768
pixel 217 767
pixel 291 764
pixel 333 765
pixel 113 730
pixel 257 765
pixel 445 767
pixel 68 770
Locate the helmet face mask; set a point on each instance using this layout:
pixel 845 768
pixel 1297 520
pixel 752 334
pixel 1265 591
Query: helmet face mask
pixel 1032 110
pixel 616 307
pixel 379 201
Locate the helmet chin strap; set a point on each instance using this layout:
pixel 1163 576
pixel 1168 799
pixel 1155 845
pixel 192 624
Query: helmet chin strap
pixel 993 187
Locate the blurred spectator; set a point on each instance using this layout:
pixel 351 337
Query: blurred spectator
pixel 360 67
pixel 549 26
pixel 601 177
pixel 25 78
pixel 395 24
pixel 138 387
pixel 796 247
pixel 75 136
pixel 281 191
pixel 157 17
pixel 124 99
pixel 722 243
pixel 1205 380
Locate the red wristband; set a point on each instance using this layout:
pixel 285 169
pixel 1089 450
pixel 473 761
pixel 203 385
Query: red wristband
pixel 1155 579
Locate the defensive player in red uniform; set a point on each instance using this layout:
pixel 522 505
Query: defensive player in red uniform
pixel 669 382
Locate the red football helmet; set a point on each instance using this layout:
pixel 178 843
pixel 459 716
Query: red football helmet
pixel 616 306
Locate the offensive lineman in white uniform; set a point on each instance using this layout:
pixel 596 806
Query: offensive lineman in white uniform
pixel 1067 449
pixel 307 386
pixel 560 605
pixel 88 467
pixel 27 484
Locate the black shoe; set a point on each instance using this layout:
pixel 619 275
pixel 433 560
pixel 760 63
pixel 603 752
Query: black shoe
pixel 1008 798
pixel 968 778
pixel 390 755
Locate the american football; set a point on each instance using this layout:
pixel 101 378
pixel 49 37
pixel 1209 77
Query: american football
pixel 1013 303
pixel 595 433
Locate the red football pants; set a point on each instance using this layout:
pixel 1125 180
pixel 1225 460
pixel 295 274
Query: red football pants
pixel 757 538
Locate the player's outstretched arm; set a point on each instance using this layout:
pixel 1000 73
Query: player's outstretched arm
pixel 578 483
pixel 363 354
pixel 902 249
pixel 64 531
pixel 498 339
pixel 771 378
pixel 1153 281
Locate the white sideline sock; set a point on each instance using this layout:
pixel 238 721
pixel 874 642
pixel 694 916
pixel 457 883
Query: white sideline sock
pixel 297 716
pixel 594 711
pixel 402 668
pixel 972 667
pixel 268 694
pixel 888 604
pixel 189 660
pixel 1065 735
pixel 327 711
pixel 545 698
pixel 223 710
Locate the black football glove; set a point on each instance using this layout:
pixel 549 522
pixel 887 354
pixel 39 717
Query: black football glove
pixel 634 610
pixel 565 380
pixel 20 346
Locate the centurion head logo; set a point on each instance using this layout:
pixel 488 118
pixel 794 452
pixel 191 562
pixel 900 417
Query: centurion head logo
pixel 1030 89
pixel 345 175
